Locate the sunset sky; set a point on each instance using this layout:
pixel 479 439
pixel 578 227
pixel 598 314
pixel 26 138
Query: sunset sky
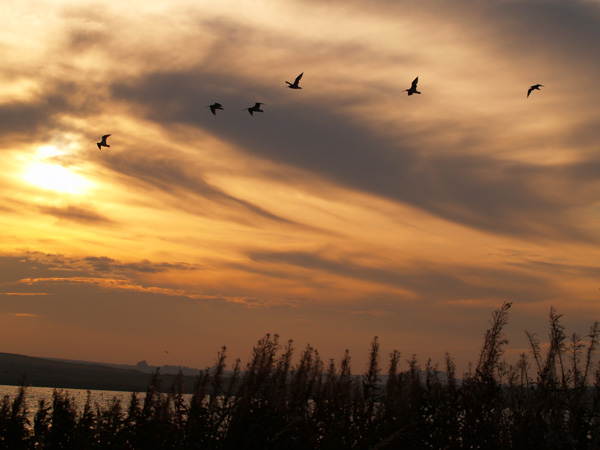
pixel 346 210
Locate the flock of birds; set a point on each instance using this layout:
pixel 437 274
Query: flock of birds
pixel 257 105
pixel 296 85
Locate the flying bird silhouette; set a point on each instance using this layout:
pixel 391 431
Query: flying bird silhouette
pixel 534 87
pixel 214 107
pixel 103 143
pixel 413 87
pixel 295 84
pixel 255 108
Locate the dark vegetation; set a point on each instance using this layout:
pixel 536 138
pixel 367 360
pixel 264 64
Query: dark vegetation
pixel 549 399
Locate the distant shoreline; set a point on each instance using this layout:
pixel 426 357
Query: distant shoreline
pixel 52 373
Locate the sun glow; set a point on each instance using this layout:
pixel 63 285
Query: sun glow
pixel 48 151
pixel 55 177
pixel 43 171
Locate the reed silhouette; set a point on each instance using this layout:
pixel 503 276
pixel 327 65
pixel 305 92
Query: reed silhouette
pixel 544 400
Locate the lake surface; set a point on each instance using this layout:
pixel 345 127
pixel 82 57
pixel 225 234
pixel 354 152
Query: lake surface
pixel 102 399
pixel 33 395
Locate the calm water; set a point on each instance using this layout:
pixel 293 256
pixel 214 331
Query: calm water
pixel 33 395
pixel 103 399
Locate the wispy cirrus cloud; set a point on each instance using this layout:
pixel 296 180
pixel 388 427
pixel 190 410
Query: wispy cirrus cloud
pixel 76 213
pixel 477 190
pixel 112 283
pixel 84 272
pixel 21 266
pixel 124 286
pixel 105 264
pixel 425 281
pixel 462 182
pixel 182 181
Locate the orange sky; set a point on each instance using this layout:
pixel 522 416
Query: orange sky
pixel 346 210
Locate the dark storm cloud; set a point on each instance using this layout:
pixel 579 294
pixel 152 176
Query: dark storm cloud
pixel 477 191
pixel 426 281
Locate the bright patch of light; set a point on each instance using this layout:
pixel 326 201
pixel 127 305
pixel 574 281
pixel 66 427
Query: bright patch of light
pixel 48 151
pixel 55 177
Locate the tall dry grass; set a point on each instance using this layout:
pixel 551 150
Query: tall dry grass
pixel 548 400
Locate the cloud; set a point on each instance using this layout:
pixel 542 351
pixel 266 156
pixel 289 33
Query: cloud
pixel 188 192
pixel 124 285
pixel 462 179
pixel 560 269
pixel 6 209
pixel 109 265
pixel 568 30
pixel 528 30
pixel 107 283
pixel 458 179
pixel 403 197
pixel 35 270
pixel 429 282
pixel 47 265
pixel 75 213
pixel 28 117
pixel 474 189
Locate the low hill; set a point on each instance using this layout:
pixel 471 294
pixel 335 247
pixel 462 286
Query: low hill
pixel 42 372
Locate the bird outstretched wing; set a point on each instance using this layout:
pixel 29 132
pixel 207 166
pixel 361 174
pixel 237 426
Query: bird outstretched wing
pixel 534 87
pixel 298 78
pixel 413 86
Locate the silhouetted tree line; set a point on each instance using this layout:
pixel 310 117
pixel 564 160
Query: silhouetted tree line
pixel 546 400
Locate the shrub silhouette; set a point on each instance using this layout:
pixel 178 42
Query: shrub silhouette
pixel 548 400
